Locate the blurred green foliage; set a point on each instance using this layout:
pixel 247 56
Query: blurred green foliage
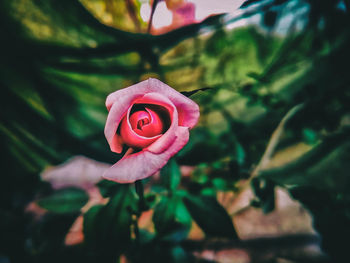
pixel 107 228
pixel 58 63
pixel 68 200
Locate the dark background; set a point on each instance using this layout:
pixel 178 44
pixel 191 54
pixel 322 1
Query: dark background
pixel 281 77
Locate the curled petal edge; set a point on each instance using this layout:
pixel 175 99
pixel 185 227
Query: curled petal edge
pixel 133 139
pixel 145 163
pixel 188 110
pixel 162 143
pixel 115 115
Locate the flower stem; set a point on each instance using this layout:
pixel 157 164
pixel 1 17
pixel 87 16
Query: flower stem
pixel 139 191
pixel 142 206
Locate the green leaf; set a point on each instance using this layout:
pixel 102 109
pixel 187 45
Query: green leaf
pixel 219 183
pixel 331 218
pixel 324 167
pixel 190 93
pixel 118 212
pixel 89 225
pixel 67 200
pixel 111 222
pixel 208 191
pixel 211 217
pixel 204 146
pixel 171 175
pixel 240 153
pixel 310 136
pixel 171 219
pixel 107 188
pixel 179 255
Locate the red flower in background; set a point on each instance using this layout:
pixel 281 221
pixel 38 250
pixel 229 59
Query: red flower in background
pixel 153 120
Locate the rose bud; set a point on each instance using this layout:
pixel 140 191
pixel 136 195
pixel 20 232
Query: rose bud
pixel 153 121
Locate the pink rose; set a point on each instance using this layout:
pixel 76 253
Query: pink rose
pixel 153 120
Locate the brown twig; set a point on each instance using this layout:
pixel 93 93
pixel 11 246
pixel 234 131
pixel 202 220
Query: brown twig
pixel 155 3
pixel 130 6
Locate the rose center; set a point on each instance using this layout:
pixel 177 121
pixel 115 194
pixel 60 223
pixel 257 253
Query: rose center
pixel 141 123
pixel 146 121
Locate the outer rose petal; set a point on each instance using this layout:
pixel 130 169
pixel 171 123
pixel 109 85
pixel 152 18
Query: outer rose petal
pixel 115 115
pixel 188 110
pixel 145 163
pixel 116 144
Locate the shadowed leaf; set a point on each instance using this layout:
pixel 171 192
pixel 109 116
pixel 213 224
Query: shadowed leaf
pixel 210 216
pixel 67 200
pixel 190 93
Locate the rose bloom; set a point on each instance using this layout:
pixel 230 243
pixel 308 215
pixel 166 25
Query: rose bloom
pixel 153 120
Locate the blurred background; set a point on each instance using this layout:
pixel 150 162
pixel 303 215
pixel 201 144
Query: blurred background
pixel 265 175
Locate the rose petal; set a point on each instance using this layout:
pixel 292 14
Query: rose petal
pixel 131 138
pixel 115 115
pixel 117 144
pixel 149 122
pixel 156 124
pixel 145 163
pixel 138 88
pixel 139 119
pixel 168 137
pixel 188 110
pixel 158 99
